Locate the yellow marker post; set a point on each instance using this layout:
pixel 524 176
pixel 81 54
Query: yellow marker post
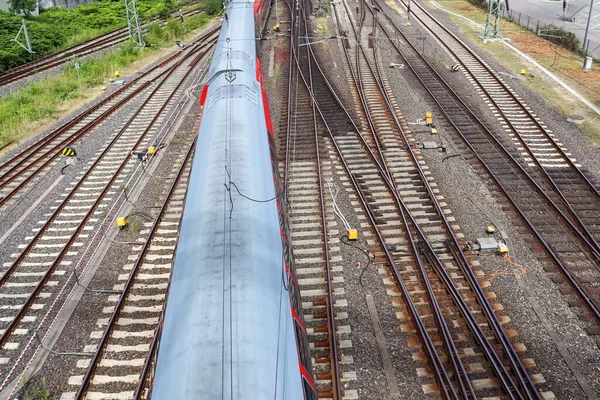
pixel 117 74
pixel 522 71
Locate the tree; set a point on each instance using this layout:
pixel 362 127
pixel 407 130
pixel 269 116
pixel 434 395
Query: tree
pixel 22 6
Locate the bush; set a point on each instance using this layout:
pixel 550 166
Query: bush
pixel 174 29
pixel 196 21
pixel 563 38
pixel 155 34
pixel 212 7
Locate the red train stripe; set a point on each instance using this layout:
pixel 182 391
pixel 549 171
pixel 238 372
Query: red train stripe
pixel 265 100
pixel 305 374
pixel 259 77
pixel 256 7
pixel 203 97
pixel 297 318
pixel 267 112
pixel 289 271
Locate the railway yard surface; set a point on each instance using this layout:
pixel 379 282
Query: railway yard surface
pixel 425 304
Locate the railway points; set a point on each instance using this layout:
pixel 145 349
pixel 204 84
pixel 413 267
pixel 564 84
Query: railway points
pixel 439 230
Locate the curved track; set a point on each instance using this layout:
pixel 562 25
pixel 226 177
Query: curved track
pixel 411 228
pixel 551 213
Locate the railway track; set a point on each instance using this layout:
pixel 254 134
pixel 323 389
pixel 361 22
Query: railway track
pixel 136 313
pixel 81 50
pixel 468 351
pixel 45 266
pixel 549 212
pixel 24 168
pixel 315 236
pixel 536 145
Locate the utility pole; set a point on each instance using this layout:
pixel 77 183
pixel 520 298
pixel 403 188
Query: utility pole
pixel 77 67
pixel 492 22
pixel 24 30
pixel 133 22
pixel 587 28
pixel 182 20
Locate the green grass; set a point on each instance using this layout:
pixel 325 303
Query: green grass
pixel 24 110
pixel 20 111
pixel 60 27
pixel 40 392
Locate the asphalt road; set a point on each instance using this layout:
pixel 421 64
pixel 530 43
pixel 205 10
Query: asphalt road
pixel 551 12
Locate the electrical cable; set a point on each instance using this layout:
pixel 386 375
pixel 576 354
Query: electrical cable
pixel 362 272
pixel 99 291
pixel 39 339
pixel 232 183
pixel 333 187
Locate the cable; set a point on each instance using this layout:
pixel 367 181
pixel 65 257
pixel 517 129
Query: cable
pixel 332 186
pixel 37 336
pixel 99 291
pixel 522 270
pixel 232 183
pixel 362 272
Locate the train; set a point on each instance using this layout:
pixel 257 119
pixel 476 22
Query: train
pixel 233 326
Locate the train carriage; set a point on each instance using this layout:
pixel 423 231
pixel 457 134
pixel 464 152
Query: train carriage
pixel 233 324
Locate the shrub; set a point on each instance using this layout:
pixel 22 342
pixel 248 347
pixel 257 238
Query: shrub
pixel 174 29
pixel 212 7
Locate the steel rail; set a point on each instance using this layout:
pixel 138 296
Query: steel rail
pixel 75 136
pixel 334 359
pixel 582 293
pixel 436 363
pixel 15 321
pixel 441 267
pixel 499 369
pixel 510 93
pixel 532 119
pixel 516 364
pixel 24 70
pixel 289 102
pixel 430 349
pixel 454 358
pixel 5 145
pixel 357 78
pixel 91 109
pixel 112 322
pixel 70 123
pixel 152 351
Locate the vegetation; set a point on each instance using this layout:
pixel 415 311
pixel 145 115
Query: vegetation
pixel 59 28
pixel 211 7
pixel 565 39
pixel 22 6
pixel 36 392
pixel 22 110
